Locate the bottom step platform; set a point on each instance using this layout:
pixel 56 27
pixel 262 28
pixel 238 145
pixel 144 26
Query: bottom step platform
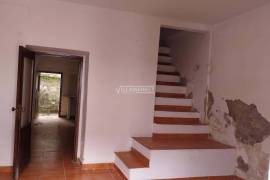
pixel 154 158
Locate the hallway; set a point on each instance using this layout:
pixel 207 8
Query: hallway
pixel 52 150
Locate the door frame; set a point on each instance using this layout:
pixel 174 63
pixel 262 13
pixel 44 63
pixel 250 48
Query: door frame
pixel 82 89
pixel 61 86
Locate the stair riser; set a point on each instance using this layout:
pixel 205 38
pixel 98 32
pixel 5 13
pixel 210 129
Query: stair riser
pixel 141 149
pixel 173 101
pixel 166 68
pixel 121 166
pixel 177 114
pixel 131 174
pixel 171 89
pixel 164 59
pixel 181 129
pixel 168 78
pixel 194 163
pixel 164 50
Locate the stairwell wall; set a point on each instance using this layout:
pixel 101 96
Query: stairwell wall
pixel 190 54
pixel 240 77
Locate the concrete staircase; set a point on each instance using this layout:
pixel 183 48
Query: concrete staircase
pixel 180 146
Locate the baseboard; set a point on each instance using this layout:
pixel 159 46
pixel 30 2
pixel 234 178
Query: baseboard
pixel 6 169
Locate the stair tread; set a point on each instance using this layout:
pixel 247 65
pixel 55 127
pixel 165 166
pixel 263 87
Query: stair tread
pixel 164 63
pixel 168 73
pixel 173 108
pixel 169 83
pixel 173 144
pixel 176 121
pixel 132 160
pixel 171 95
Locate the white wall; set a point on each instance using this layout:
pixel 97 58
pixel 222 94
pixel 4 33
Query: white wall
pixel 240 70
pixel 123 51
pixel 190 53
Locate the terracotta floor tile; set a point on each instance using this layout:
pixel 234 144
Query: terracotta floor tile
pixel 52 150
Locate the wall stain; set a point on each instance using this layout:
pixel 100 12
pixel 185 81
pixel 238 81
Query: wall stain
pixel 251 126
pixel 190 95
pixel 208 103
pixel 183 81
pixel 242 165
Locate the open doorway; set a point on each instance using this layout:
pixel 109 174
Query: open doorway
pixel 50 107
pixel 49 93
pixel 56 95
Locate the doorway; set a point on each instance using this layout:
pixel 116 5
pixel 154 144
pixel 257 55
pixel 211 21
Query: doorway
pixel 49 93
pixel 51 83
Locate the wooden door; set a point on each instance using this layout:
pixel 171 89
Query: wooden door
pixel 23 109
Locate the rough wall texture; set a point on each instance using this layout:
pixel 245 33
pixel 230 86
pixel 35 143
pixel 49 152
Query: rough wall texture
pixel 245 128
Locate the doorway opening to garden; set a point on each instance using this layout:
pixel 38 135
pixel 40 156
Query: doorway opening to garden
pixel 49 93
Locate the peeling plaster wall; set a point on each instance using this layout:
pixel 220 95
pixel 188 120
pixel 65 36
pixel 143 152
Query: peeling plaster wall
pixel 240 84
pixel 190 52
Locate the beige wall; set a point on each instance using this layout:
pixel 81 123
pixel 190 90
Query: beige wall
pixel 190 53
pixel 240 70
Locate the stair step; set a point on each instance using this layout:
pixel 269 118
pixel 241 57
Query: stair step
pixel 164 63
pixel 168 78
pixel 173 101
pixel 173 108
pixel 164 54
pixel 180 129
pixel 171 89
pixel 208 178
pixel 168 83
pixel 170 95
pixel 172 144
pixel 177 114
pixel 168 73
pixel 185 158
pixel 171 120
pixel 165 59
pixel 164 50
pixel 133 159
pixel 180 136
pixel 166 68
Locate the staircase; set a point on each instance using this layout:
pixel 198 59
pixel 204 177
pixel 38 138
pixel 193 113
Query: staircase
pixel 180 146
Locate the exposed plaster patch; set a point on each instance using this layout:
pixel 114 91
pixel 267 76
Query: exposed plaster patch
pixel 251 126
pixel 242 165
pixel 208 103
pixel 227 119
pixel 258 162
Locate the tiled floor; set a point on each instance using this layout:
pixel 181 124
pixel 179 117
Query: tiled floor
pixel 52 146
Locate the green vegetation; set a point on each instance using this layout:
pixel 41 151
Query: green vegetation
pixel 49 93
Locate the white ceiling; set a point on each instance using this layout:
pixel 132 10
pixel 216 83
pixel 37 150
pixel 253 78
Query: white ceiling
pixel 202 11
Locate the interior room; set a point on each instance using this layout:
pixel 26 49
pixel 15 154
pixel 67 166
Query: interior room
pixel 124 89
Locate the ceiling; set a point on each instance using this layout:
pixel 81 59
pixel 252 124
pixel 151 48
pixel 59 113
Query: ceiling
pixel 201 11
